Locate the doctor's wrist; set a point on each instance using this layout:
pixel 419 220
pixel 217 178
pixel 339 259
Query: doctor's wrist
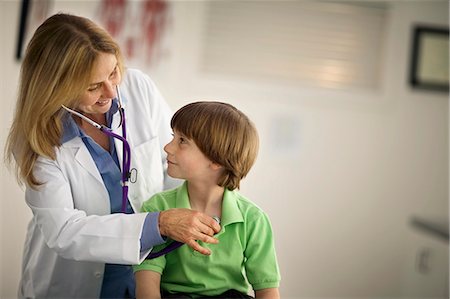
pixel 150 235
pixel 161 226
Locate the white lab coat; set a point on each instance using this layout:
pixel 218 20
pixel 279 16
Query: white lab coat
pixel 72 233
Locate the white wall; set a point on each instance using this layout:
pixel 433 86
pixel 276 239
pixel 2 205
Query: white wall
pixel 14 213
pixel 340 197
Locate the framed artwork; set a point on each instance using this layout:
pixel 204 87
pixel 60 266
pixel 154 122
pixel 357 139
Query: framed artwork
pixel 32 14
pixel 430 58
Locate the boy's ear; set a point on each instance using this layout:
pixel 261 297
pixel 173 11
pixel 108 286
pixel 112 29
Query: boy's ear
pixel 215 166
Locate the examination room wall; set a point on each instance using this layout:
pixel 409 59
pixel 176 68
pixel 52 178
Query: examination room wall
pixel 341 172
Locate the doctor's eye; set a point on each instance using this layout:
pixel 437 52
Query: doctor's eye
pixel 94 87
pixel 114 73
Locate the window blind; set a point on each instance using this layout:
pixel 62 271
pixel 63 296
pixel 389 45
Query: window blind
pixel 317 43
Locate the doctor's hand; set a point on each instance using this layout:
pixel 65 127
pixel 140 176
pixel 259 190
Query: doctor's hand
pixel 187 226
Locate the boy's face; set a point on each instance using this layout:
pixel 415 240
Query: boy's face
pixel 186 161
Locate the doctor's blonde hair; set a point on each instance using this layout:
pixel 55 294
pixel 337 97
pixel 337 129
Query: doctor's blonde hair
pixel 223 134
pixel 56 71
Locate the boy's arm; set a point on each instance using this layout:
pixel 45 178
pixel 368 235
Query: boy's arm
pixel 261 265
pixel 271 293
pixel 147 284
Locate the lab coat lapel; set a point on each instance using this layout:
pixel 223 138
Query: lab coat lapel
pixel 117 129
pixel 115 124
pixel 83 157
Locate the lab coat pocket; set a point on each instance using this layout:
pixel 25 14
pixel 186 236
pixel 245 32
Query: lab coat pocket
pixel 147 172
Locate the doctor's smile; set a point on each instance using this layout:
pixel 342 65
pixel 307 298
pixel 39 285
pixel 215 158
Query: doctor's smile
pixel 103 102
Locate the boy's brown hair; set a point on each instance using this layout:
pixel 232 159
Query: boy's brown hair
pixel 224 134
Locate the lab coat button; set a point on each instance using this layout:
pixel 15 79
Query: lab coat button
pixel 98 274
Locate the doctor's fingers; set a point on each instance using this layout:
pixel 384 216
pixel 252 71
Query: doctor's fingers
pixel 197 234
pixel 184 224
pixel 194 245
pixel 208 225
pixel 199 230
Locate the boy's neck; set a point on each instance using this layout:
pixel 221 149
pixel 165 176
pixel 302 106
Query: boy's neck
pixel 206 198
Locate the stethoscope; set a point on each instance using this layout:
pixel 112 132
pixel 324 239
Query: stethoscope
pixel 126 164
pixel 126 152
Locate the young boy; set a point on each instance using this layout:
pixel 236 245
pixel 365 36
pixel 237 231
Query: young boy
pixel 214 146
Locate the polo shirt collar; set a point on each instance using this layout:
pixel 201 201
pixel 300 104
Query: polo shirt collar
pixel 230 210
pixel 182 197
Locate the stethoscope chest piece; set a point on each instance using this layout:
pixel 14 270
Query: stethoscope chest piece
pixel 216 218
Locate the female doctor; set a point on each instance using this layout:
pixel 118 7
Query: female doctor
pixel 79 242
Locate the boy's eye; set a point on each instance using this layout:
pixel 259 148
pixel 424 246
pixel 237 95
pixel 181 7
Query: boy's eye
pixel 179 138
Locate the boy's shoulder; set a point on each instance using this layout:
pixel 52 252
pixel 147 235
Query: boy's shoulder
pixel 247 206
pixel 161 200
pixel 166 194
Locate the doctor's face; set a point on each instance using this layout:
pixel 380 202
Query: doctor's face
pixel 101 91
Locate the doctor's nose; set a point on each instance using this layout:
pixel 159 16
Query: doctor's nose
pixel 109 90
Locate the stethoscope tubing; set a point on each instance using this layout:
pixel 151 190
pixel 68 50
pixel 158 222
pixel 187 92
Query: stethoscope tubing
pixel 169 248
pixel 126 163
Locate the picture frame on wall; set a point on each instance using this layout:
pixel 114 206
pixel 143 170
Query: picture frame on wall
pixel 32 14
pixel 430 58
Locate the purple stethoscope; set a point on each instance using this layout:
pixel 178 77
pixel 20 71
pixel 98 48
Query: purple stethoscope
pixel 126 153
pixel 126 164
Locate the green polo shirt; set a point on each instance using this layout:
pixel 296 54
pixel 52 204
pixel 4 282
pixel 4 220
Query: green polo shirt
pixel 245 253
